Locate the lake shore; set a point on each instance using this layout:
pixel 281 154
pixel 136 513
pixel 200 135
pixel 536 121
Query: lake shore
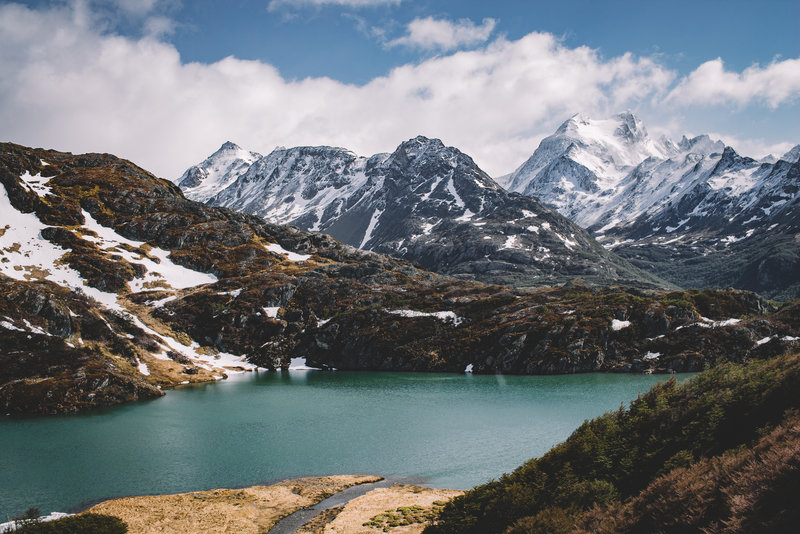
pixel 402 508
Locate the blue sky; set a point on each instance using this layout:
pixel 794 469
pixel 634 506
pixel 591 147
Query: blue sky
pixel 165 82
pixel 330 40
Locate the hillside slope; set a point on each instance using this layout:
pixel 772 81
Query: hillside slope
pixel 720 453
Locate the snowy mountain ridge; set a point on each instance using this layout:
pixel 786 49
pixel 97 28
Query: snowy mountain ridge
pixel 660 202
pixel 425 202
pixel 608 173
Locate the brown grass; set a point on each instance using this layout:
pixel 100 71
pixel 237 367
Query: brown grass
pixel 249 510
pixel 362 509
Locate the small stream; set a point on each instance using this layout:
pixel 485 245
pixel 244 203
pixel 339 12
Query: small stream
pixel 292 523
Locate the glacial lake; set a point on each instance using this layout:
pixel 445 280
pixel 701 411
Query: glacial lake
pixel 444 430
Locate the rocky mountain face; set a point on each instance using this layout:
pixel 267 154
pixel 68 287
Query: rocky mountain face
pixel 694 212
pixel 425 203
pixel 114 285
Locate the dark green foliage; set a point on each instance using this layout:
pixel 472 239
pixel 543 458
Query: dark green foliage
pixel 78 524
pixel 618 454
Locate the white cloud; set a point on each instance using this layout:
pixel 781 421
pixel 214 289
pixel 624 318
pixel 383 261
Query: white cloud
pixel 710 83
pixel 754 148
pixel 276 4
pixel 67 86
pixel 440 34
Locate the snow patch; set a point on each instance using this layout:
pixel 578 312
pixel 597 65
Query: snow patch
pixel 37 183
pixel 468 369
pixel 291 256
pixel 511 242
pixel 446 316
pixel 10 326
pixel 271 311
pixel 373 221
pixel 299 364
pixel 163 272
pixel 651 356
pixel 616 324
pixel 160 302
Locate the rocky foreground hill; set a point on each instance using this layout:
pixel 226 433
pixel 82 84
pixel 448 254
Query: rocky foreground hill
pixel 114 285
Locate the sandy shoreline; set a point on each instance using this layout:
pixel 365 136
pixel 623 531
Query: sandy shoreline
pixel 257 509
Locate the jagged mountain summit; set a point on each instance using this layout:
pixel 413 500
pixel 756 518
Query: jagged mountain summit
pixel 424 202
pixel 694 212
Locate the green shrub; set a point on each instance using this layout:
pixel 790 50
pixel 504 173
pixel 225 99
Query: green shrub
pixel 77 524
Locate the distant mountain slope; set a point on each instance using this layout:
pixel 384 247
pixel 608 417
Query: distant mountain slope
pixel 683 211
pixel 424 202
pixel 113 284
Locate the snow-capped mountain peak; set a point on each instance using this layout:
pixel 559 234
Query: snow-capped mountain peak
pixel 215 173
pixel 425 202
pixel 793 155
pixel 653 200
pixel 585 158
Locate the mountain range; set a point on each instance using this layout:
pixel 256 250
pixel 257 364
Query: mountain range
pixel 691 213
pixel 113 285
pixel 424 202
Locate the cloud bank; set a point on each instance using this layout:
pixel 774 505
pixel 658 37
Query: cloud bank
pixel 67 85
pixel 440 34
pixel 777 83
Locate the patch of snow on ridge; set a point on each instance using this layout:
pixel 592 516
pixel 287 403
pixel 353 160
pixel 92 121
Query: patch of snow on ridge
pixel 163 272
pixel 442 315
pixel 651 356
pixel 160 302
pixel 10 326
pixel 616 324
pixel 452 190
pixel 37 183
pixel 708 323
pixel 30 256
pixel 271 311
pixel 291 256
pixel 373 221
pixel 468 369
pixel 143 368
pixel 511 242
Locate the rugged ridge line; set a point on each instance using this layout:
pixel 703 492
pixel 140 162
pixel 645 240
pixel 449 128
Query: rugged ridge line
pixel 425 202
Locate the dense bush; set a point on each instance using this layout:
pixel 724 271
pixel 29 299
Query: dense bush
pixel 77 524
pixel 619 454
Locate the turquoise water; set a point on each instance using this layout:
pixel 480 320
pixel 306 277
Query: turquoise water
pixel 452 430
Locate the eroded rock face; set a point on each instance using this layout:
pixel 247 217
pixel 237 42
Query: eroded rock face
pixel 450 325
pixel 42 372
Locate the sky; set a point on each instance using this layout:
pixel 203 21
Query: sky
pixel 165 82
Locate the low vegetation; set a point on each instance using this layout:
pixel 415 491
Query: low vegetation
pixel 76 524
pixel 720 453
